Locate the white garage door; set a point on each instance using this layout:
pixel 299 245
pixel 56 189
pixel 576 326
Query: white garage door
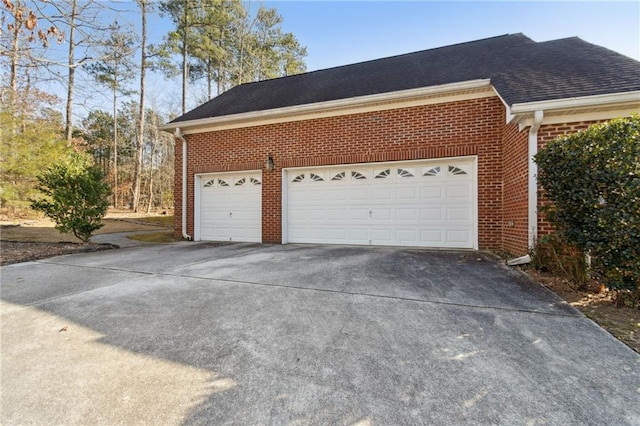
pixel 424 204
pixel 231 207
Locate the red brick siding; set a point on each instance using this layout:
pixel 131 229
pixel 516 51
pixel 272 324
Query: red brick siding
pixel 515 223
pixel 472 127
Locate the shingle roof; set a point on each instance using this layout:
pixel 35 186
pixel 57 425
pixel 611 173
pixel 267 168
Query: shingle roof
pixel 520 69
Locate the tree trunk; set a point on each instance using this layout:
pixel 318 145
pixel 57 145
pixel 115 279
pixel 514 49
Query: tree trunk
pixel 115 139
pixel 15 50
pixel 185 59
pixel 241 64
pixel 137 174
pixel 72 73
pixel 209 77
pixel 150 205
pixel 185 77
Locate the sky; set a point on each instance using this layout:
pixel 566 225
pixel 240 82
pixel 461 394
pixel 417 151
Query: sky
pixel 344 32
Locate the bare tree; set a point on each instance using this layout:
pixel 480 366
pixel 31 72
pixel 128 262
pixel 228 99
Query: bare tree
pixel 81 20
pixel 19 33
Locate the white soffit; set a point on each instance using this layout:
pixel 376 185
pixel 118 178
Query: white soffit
pixel 473 89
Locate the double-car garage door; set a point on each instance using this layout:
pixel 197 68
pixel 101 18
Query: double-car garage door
pixel 423 204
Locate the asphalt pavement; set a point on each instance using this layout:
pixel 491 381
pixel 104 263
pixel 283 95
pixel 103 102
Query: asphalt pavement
pixel 207 333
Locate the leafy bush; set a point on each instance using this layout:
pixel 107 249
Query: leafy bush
pixel 76 196
pixel 593 179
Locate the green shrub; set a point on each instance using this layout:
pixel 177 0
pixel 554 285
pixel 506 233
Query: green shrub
pixel 593 179
pixel 75 196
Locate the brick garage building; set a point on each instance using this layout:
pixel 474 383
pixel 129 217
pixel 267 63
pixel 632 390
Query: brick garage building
pixel 427 149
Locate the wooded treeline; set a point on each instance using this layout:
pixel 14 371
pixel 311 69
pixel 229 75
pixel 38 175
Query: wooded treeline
pixel 77 73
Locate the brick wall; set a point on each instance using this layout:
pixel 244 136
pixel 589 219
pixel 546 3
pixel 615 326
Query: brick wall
pixel 515 184
pixel 473 127
pixel 515 223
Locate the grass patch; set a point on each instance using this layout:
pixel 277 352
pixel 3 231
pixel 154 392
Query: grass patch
pixel 154 237
pixel 43 230
pixel 166 221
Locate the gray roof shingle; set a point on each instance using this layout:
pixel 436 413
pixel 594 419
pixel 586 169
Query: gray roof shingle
pixel 520 69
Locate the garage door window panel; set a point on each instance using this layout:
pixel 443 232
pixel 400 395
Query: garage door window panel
pixel 457 170
pixel 431 171
pixel 338 176
pixel 358 175
pixel 406 173
pixel 382 174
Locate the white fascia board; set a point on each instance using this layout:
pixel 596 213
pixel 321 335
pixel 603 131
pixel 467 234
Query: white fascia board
pixel 611 99
pixel 328 108
pixel 509 114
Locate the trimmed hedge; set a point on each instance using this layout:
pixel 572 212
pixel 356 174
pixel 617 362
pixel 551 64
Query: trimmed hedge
pixel 593 179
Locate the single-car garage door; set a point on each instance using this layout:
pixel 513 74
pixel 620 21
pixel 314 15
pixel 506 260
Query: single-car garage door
pixel 230 207
pixel 423 204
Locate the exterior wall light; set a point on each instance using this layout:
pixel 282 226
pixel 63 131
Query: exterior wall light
pixel 269 164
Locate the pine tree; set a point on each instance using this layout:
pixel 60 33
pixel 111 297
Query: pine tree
pixel 115 71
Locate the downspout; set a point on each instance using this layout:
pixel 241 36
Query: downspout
pixel 532 190
pixel 179 135
pixel 533 178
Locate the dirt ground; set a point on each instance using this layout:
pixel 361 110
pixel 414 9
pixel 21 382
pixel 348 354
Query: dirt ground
pixel 24 239
pixel 597 303
pixel 30 239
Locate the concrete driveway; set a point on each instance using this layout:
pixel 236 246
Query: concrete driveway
pixel 199 333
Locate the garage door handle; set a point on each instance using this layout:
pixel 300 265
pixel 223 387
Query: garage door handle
pixel 230 214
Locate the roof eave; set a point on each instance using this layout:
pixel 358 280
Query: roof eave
pixel 594 107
